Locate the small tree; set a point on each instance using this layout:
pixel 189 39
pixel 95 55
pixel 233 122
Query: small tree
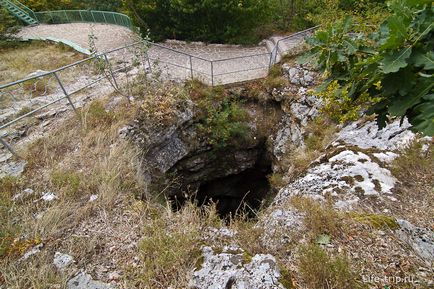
pixel 7 27
pixel 388 73
pixel 211 20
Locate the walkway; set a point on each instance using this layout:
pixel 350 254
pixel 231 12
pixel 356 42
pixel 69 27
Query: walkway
pixel 231 63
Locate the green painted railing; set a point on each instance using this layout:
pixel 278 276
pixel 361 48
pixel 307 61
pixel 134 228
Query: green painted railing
pixel 72 16
pixel 24 8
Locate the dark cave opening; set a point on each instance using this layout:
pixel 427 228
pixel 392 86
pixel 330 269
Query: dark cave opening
pixel 241 193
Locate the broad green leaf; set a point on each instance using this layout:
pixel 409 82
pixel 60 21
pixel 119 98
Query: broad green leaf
pixel 423 60
pixel 393 82
pixel 424 118
pixel 396 60
pixel 396 32
pixel 351 47
pixel 401 104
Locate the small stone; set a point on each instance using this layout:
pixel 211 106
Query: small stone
pixel 48 197
pixel 62 261
pixel 33 251
pixel 93 198
pixel 113 276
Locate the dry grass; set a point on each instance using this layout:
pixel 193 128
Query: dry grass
pixel 18 62
pixel 171 246
pixel 414 170
pixel 83 156
pixel 319 270
pixel 319 218
pixel 319 134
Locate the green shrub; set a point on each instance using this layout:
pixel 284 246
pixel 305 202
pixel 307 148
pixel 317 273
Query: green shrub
pixel 365 72
pixel 211 21
pixel 225 124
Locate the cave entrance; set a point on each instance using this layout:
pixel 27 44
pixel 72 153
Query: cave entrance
pixel 241 193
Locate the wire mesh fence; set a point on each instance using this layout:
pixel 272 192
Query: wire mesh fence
pixel 72 16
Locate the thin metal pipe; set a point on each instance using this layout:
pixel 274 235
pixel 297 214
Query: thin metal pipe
pixel 191 68
pixel 8 147
pixel 64 91
pixel 239 57
pixel 111 70
pixel 212 73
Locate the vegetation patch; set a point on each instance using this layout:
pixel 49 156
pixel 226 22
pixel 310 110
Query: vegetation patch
pixel 377 221
pixel 18 62
pixel 319 218
pixel 319 270
pixel 319 134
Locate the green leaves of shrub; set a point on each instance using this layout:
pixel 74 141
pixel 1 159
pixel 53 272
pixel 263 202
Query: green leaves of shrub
pixel 389 72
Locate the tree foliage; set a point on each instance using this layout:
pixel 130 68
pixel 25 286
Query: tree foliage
pixel 388 72
pixel 46 5
pixel 204 20
pixel 7 26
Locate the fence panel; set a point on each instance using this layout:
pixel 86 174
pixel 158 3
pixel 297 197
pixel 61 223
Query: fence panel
pixel 71 16
pixel 243 68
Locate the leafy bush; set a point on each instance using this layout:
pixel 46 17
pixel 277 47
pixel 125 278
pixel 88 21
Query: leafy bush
pixel 44 5
pixel 211 21
pixel 225 124
pixel 389 72
pixel 7 26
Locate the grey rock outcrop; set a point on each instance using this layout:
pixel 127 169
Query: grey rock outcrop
pixel 421 240
pixel 346 172
pixel 229 269
pixel 85 281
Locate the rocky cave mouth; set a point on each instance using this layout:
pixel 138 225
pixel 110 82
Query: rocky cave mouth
pixel 243 191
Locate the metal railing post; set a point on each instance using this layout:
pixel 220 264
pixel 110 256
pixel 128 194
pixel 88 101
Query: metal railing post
pixel 111 70
pixel 93 16
pixel 105 19
pixel 8 147
pixel 212 73
pixel 64 91
pixel 191 67
pixel 271 59
pixel 277 51
pixel 81 15
pixel 66 16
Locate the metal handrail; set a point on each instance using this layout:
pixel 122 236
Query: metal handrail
pixel 66 95
pixel 23 7
pixel 276 47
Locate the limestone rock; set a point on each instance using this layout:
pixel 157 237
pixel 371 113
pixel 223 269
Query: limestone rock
pixel 62 261
pixel 278 225
pixel 298 75
pixel 35 250
pixel 367 135
pixel 229 269
pixel 420 239
pixel 347 176
pixel 85 281
pixel 48 197
pixel 289 134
